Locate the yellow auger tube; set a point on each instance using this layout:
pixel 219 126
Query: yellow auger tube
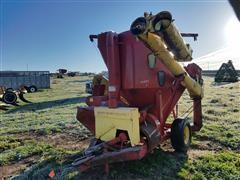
pixel 163 23
pixel 157 45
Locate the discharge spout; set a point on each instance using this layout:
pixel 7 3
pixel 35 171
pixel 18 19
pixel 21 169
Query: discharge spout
pixel 156 32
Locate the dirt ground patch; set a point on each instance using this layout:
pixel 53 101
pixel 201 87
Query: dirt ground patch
pixel 58 140
pixel 15 167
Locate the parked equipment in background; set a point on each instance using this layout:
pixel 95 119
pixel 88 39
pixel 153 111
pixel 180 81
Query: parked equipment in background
pixel 88 87
pixel 128 112
pixel 61 72
pixel 31 80
pixel 71 74
pixel 10 96
pixel 99 81
pixel 226 73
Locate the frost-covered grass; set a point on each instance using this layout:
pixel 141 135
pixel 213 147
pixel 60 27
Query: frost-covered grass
pixel 48 132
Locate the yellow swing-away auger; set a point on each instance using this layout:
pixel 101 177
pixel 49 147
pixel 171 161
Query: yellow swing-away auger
pixel 161 36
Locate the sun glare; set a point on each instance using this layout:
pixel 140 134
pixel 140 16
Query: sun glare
pixel 232 33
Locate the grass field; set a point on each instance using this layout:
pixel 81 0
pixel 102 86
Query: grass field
pixel 45 135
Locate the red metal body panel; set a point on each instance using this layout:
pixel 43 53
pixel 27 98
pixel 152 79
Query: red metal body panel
pixel 134 65
pixel 139 83
pixel 108 45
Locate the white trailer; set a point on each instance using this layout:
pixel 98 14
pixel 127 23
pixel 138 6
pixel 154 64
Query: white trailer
pixel 32 80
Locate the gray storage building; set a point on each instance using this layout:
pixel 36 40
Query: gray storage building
pixel 15 79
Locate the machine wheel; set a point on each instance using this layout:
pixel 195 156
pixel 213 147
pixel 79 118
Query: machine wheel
pixel 181 134
pixel 32 89
pixel 9 97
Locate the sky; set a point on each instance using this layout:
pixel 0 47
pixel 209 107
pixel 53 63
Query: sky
pixel 53 34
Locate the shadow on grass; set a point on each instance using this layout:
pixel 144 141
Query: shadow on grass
pixel 158 165
pixel 41 170
pixel 48 104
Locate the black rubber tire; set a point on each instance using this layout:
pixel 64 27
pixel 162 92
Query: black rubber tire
pixel 177 135
pixel 9 97
pixel 32 89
